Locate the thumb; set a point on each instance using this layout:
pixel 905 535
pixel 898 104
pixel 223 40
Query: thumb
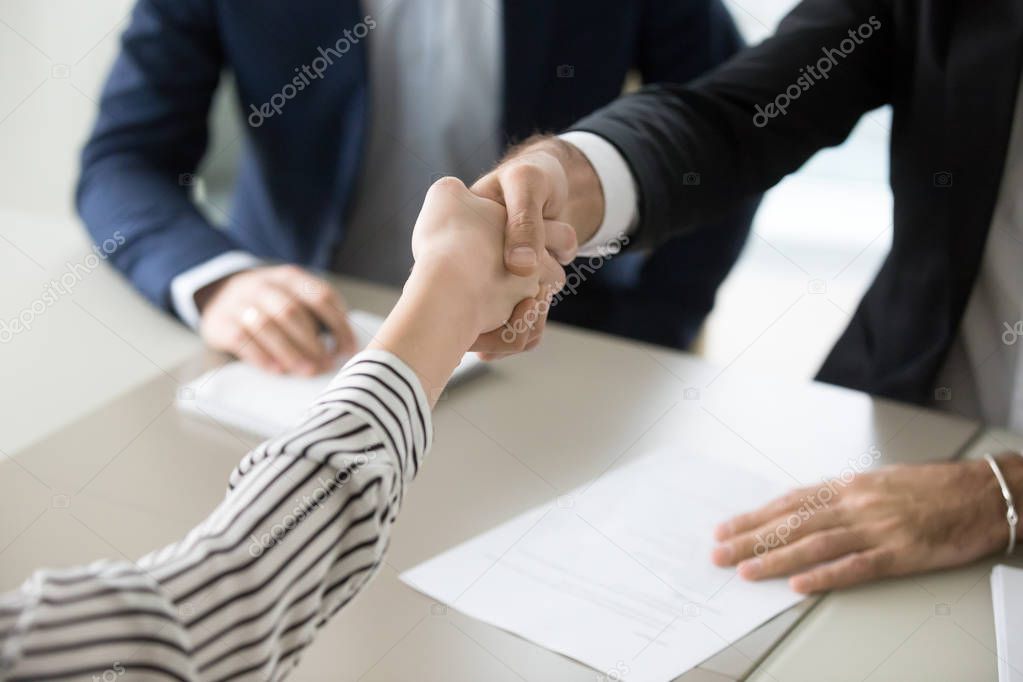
pixel 524 236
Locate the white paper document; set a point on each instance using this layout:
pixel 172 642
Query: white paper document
pixel 265 404
pixel 617 574
pixel 1007 600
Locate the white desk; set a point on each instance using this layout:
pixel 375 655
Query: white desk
pixel 931 627
pixel 136 474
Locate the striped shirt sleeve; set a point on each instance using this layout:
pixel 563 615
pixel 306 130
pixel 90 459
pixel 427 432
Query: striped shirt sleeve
pixel 303 527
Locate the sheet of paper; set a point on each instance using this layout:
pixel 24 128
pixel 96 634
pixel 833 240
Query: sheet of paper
pixel 265 404
pixel 617 574
pixel 1007 600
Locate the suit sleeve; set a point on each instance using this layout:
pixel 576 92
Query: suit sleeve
pixel 150 134
pixel 755 119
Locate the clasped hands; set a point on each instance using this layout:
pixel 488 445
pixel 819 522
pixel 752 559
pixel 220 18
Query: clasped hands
pixel 271 316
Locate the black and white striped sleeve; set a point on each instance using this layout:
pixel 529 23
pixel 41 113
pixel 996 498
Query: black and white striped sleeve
pixel 303 527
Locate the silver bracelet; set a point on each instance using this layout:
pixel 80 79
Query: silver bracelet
pixel 1010 514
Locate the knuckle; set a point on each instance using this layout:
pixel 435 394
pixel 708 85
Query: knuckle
pixel 524 173
pixel 321 295
pixel 235 337
pixel 883 561
pixel 823 543
pixel 291 310
pixel 292 270
pixel 522 222
pixel 447 184
pixel 861 564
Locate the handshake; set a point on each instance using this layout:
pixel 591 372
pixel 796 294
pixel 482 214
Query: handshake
pixel 494 253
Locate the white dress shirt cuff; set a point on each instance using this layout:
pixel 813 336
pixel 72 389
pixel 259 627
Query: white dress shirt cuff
pixel 184 286
pixel 621 203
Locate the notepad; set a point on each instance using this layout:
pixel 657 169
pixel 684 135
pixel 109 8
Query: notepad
pixel 246 397
pixel 1007 600
pixel 617 574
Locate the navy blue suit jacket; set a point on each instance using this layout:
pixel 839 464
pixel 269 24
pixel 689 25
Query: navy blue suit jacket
pixel 563 60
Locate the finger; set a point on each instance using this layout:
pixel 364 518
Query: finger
pixel 746 522
pixel 330 310
pixel 297 321
pixel 512 336
pixel 274 341
pixel 525 190
pixel 802 554
pixel 552 276
pixel 250 352
pixel 778 532
pixel 537 331
pixel 851 569
pixel 562 241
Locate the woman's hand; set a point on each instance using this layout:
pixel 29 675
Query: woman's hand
pixel 459 287
pixel 894 521
pixel 459 237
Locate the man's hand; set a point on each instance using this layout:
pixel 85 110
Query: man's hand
pixel 272 317
pixel 894 521
pixel 544 179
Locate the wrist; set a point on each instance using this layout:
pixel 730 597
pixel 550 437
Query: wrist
pixel 203 296
pixel 429 329
pixel 448 295
pixel 992 501
pixel 584 208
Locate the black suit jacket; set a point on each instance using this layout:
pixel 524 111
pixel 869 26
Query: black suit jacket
pixel 949 68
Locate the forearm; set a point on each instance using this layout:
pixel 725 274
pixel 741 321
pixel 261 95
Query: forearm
pixel 302 529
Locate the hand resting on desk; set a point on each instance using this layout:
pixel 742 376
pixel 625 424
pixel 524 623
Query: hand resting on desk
pixel 895 521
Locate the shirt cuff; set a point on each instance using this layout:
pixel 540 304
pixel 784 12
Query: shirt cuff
pixel 621 202
pixel 184 286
